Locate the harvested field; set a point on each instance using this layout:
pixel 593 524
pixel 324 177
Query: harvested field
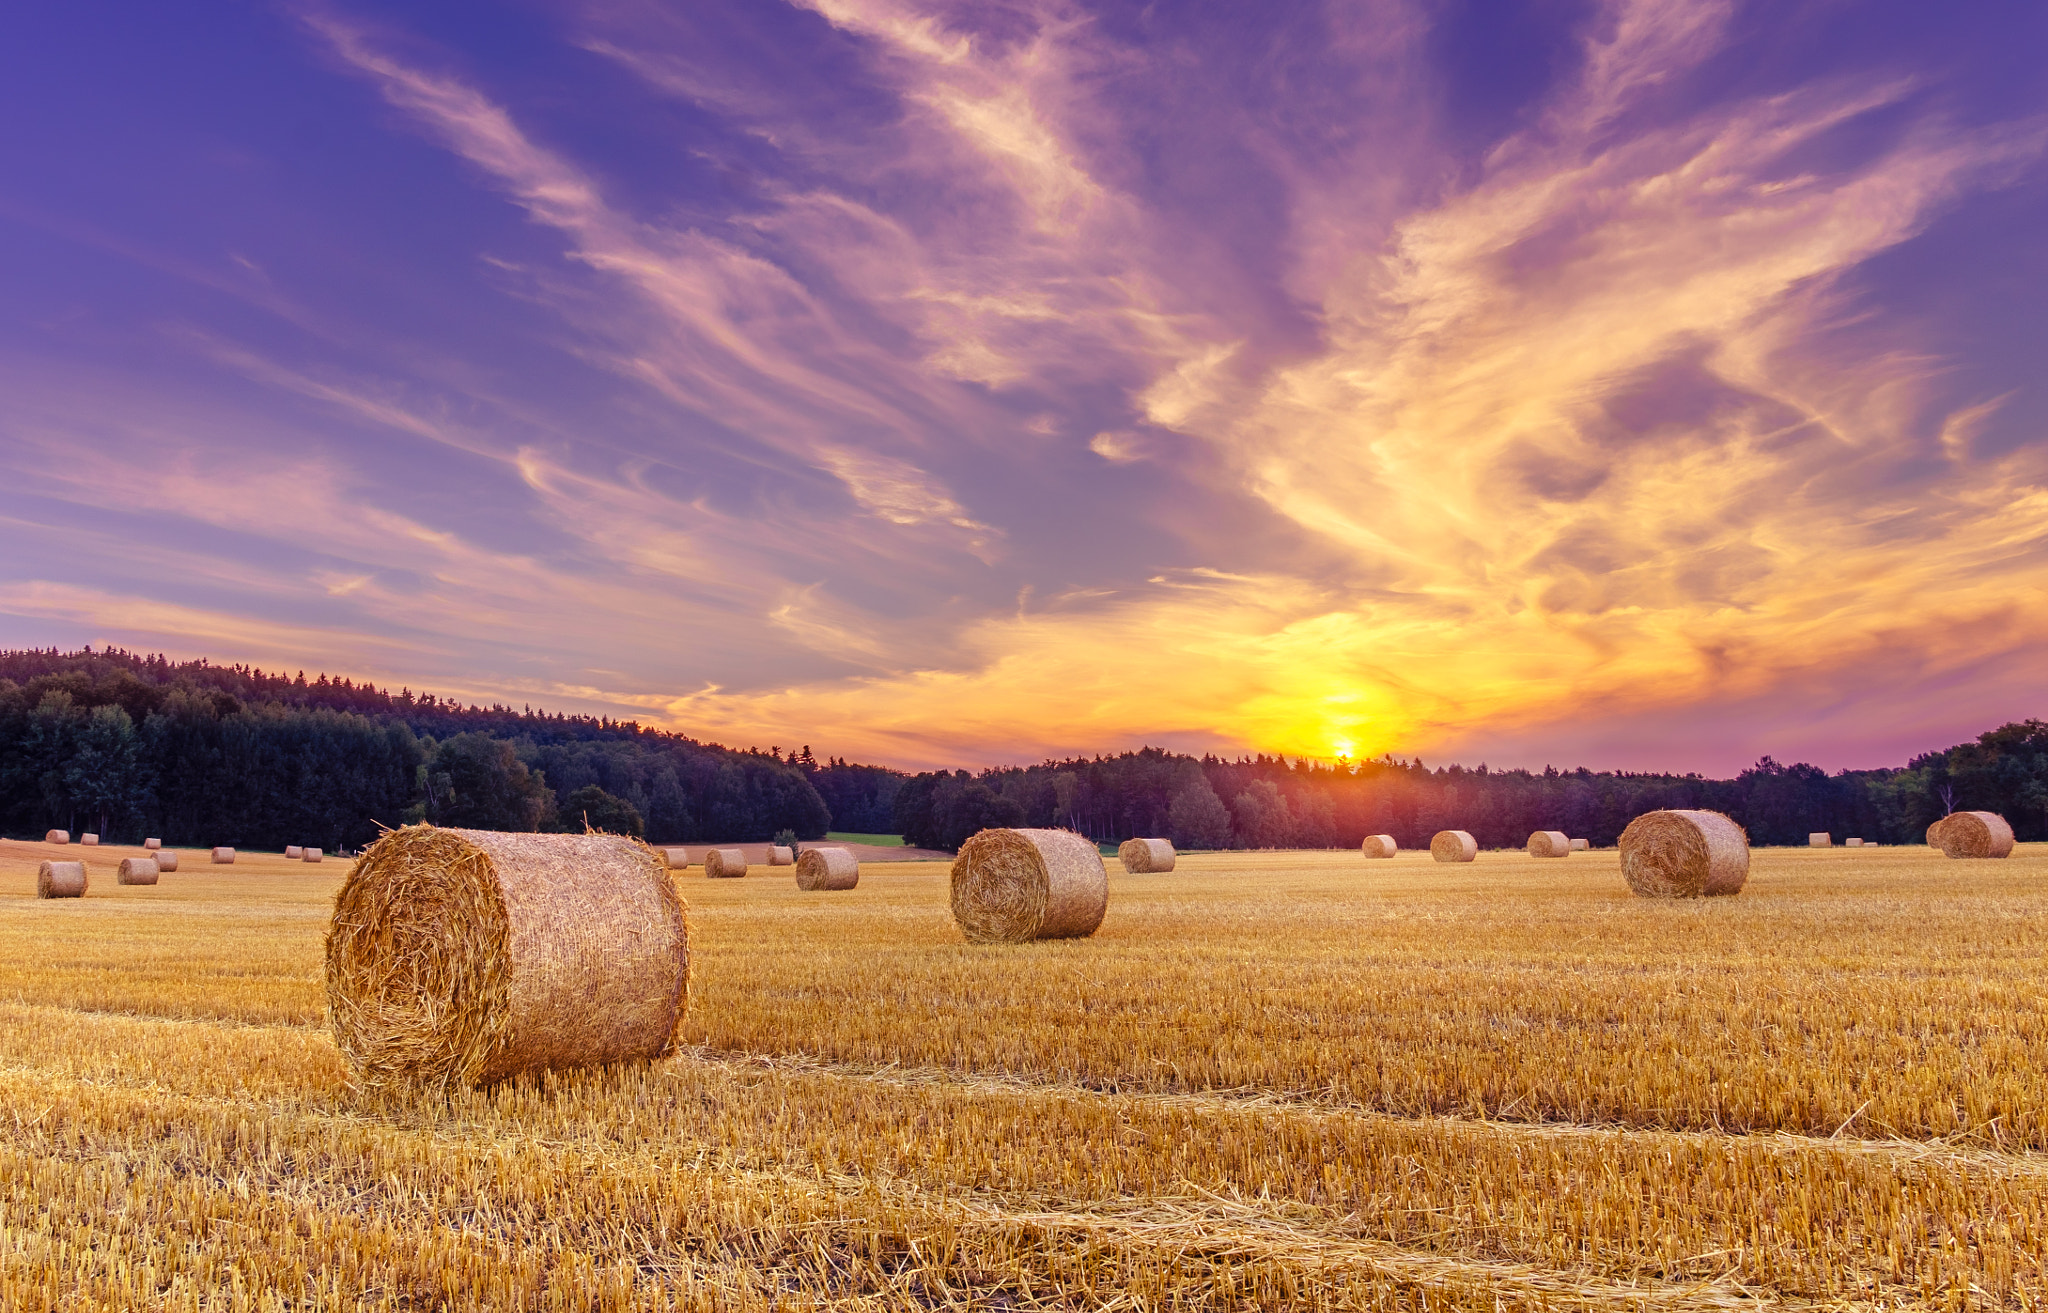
pixel 1270 1080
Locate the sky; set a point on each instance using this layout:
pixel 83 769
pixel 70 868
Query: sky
pixel 1642 384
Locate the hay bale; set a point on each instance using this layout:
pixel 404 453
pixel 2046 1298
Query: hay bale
pixel 1934 833
pixel 1550 843
pixel 1819 839
pixel 223 857
pixel 724 864
pixel 1380 845
pixel 1011 886
pixel 1453 846
pixel 57 836
pixel 1581 845
pixel 1975 834
pixel 292 852
pixel 1146 856
pixel 780 856
pixel 136 870
pixel 312 855
pixel 60 880
pixel 462 957
pixel 1852 843
pixel 166 860
pixel 827 868
pixel 151 845
pixel 1684 854
pixel 89 840
pixel 675 859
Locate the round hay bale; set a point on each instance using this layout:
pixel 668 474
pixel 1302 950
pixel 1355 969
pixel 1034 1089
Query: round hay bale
pixel 1934 833
pixel 1146 856
pixel 223 857
pixel 462 957
pixel 1550 843
pixel 1012 886
pixel 60 880
pixel 1380 845
pixel 1975 834
pixel 312 855
pixel 677 859
pixel 724 864
pixel 1852 843
pixel 1453 846
pixel 1684 854
pixel 292 852
pixel 89 840
pixel 136 870
pixel 780 856
pixel 826 868
pixel 1581 845
pixel 1819 839
pixel 166 860
pixel 57 836
pixel 151 845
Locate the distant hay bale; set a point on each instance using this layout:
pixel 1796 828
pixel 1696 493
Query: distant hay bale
pixel 1550 843
pixel 136 870
pixel 1852 843
pixel 1581 845
pixel 724 863
pixel 1684 854
pixel 292 852
pixel 1380 845
pixel 1012 886
pixel 57 836
pixel 166 860
pixel 1146 856
pixel 1819 839
pixel 677 859
pixel 152 844
pixel 89 840
pixel 780 856
pixel 1453 846
pixel 463 957
pixel 827 868
pixel 60 880
pixel 223 857
pixel 1975 834
pixel 312 855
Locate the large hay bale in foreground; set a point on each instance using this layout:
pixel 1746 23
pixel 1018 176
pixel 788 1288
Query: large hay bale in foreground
pixel 1684 854
pixel 675 858
pixel 136 870
pixel 1453 846
pixel 292 852
pixel 1975 834
pixel 826 868
pixel 1550 843
pixel 780 856
pixel 60 880
pixel 462 957
pixel 166 860
pixel 1011 886
pixel 1379 845
pixel 312 855
pixel 223 857
pixel 57 836
pixel 1146 856
pixel 724 864
pixel 89 839
pixel 1581 845
pixel 1819 839
pixel 151 845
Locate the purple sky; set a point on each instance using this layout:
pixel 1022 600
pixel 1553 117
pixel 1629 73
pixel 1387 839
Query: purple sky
pixel 1646 385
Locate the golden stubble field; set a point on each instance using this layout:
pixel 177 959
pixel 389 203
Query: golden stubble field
pixel 1272 1080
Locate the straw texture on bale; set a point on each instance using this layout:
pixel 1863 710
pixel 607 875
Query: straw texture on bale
pixel 223 857
pixel 463 957
pixel 152 844
pixel 166 860
pixel 1550 843
pixel 724 863
pixel 136 870
pixel 1819 840
pixel 1581 845
pixel 60 880
pixel 1684 854
pixel 675 858
pixel 780 856
pixel 57 836
pixel 1975 834
pixel 312 855
pixel 1012 886
pixel 1380 845
pixel 89 840
pixel 1146 856
pixel 826 868
pixel 293 852
pixel 1453 846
